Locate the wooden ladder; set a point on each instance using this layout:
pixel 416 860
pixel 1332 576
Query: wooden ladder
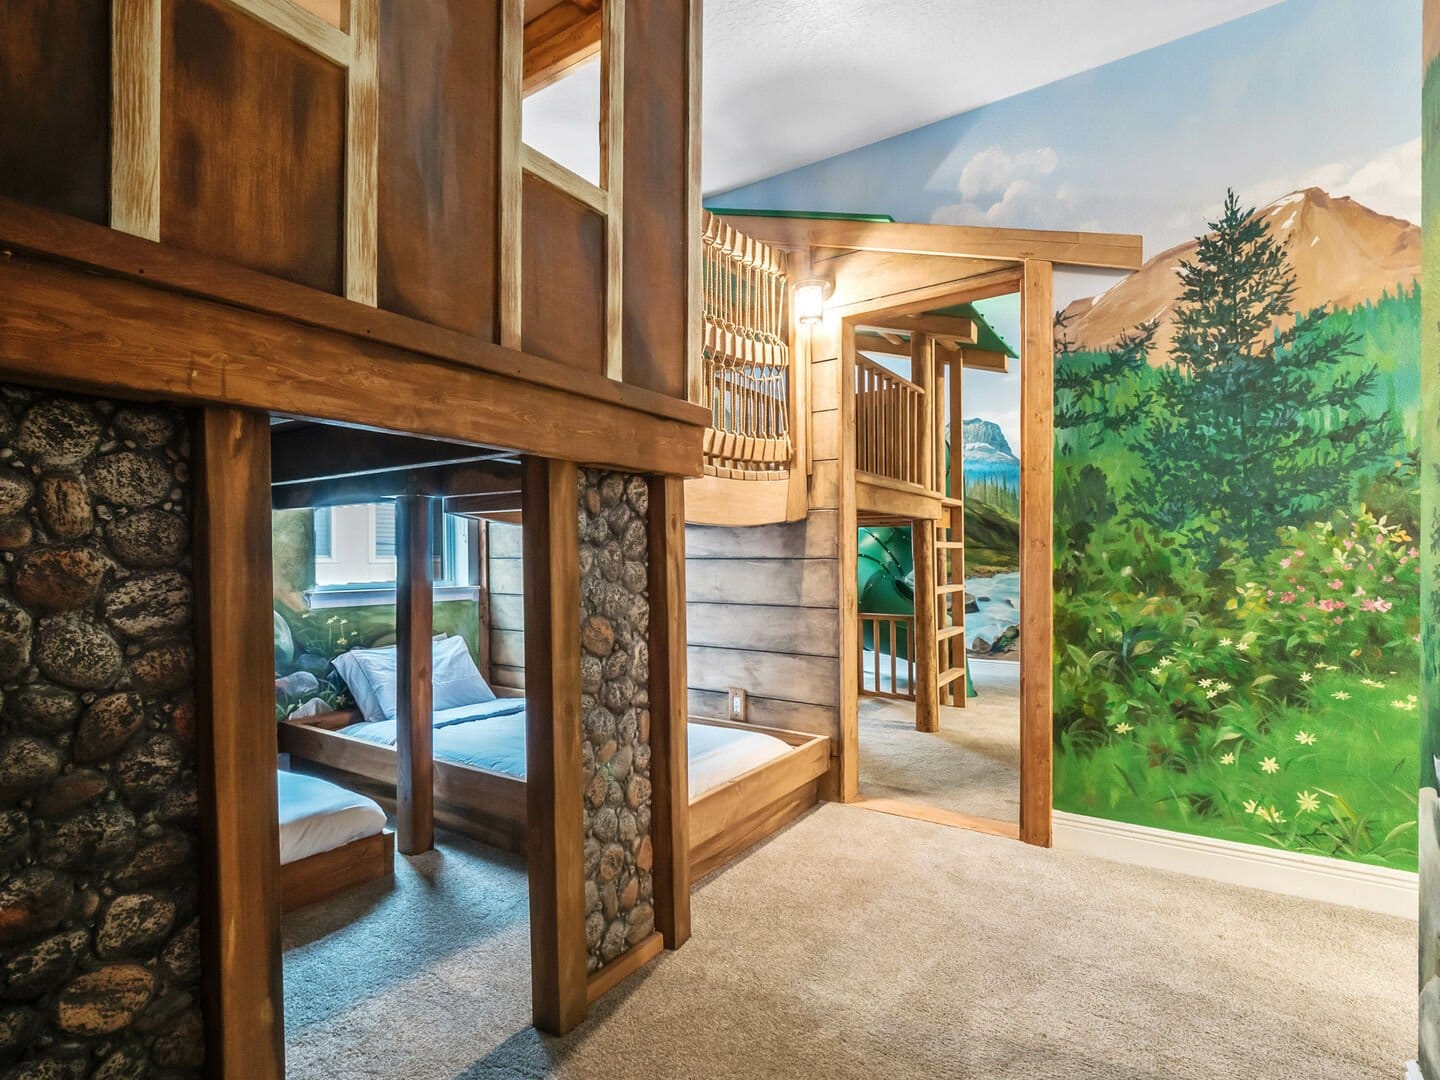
pixel 950 602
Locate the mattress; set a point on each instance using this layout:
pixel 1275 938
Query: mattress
pixel 492 736
pixel 316 816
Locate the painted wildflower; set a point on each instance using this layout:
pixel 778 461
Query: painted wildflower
pixel 1210 694
pixel 1205 684
pixel 1222 686
pixel 1270 765
pixel 1166 661
pixel 1251 806
pixel 1227 759
pixel 1224 643
pixel 1305 676
pixel 1305 738
pixel 1123 728
pixel 1374 684
pixel 1341 695
pixel 1405 706
pixel 1308 801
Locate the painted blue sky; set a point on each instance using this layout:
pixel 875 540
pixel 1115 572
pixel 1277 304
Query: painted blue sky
pixel 1309 92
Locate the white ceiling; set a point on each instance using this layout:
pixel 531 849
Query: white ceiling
pixel 788 82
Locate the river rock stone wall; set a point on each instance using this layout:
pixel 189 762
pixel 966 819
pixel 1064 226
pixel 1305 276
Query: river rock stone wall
pixel 99 942
pixel 615 712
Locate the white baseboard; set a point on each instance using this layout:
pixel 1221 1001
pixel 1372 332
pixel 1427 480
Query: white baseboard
pixel 1373 888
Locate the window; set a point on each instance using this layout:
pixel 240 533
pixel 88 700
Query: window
pixel 355 552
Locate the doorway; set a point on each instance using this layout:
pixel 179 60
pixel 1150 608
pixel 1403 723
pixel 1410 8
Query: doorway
pixel 952 599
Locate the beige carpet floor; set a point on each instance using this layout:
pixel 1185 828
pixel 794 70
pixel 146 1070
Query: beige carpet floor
pixel 856 944
pixel 971 765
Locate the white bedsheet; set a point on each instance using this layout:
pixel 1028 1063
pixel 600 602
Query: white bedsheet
pixel 497 742
pixel 718 754
pixel 316 816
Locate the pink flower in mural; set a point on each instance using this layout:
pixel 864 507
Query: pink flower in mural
pixel 1287 598
pixel 1331 605
pixel 1336 584
pixel 1285 564
pixel 1376 604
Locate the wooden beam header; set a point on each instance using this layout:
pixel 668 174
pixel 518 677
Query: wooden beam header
pixel 1111 251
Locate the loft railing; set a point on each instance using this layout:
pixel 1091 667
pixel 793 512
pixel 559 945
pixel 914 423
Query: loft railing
pixel 745 363
pixel 883 672
pixel 889 423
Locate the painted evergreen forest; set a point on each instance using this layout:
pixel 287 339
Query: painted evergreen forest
pixel 1237 573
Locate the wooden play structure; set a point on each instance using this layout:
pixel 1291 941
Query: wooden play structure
pixel 324 209
pixel 867 447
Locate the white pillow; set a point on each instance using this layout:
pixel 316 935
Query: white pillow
pixel 371 676
pixel 455 679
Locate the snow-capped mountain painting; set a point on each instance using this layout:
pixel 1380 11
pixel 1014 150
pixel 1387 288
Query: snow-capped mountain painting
pixel 987 453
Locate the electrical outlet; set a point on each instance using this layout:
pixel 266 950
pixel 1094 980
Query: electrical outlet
pixel 739 706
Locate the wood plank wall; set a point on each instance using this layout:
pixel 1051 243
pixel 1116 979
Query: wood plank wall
pixel 761 616
pixel 507 607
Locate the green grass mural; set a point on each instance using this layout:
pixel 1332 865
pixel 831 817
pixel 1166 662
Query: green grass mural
pixel 1237 560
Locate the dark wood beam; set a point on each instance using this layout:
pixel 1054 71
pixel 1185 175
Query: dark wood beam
pixel 414 627
pixel 239 815
pixel 442 481
pixel 308 451
pixel 554 840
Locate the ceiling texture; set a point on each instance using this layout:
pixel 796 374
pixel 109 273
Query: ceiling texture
pixel 790 82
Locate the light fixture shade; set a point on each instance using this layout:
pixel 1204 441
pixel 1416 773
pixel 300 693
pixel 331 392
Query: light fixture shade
pixel 810 301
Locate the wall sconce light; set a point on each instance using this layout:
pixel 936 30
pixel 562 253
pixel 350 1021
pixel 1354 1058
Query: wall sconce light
pixel 810 298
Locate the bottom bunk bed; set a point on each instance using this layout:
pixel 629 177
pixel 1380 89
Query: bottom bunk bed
pixel 331 840
pixel 745 781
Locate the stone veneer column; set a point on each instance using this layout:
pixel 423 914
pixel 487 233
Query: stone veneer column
pixel 615 712
pixel 99 943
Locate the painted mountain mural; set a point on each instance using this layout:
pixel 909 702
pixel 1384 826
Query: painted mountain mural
pixel 987 452
pixel 1341 253
pixel 1237 601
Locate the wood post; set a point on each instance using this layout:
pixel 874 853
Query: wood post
pixel 554 840
pixel 414 658
pixel 669 711
pixel 1037 442
pixel 923 648
pixel 922 373
pixel 235 696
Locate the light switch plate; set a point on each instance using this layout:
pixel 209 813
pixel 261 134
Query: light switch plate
pixel 739 706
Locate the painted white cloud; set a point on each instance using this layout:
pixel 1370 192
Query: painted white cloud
pixel 1388 183
pixel 992 171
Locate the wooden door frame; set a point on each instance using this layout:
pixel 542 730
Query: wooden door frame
pixel 1034 280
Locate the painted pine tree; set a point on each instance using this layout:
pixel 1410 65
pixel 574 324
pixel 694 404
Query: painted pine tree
pixel 1260 420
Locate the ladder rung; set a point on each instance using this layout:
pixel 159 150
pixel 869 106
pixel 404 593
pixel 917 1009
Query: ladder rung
pixel 950 676
pixel 945 633
pixel 945 500
pixel 950 545
pixel 949 590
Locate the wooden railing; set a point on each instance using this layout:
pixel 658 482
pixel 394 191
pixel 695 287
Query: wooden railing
pixel 745 362
pixel 880 673
pixel 889 423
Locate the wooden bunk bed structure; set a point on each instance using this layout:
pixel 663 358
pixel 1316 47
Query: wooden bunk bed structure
pixel 245 209
pixel 313 465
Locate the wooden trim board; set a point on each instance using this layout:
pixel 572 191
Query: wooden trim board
pixel 623 966
pixel 329 873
